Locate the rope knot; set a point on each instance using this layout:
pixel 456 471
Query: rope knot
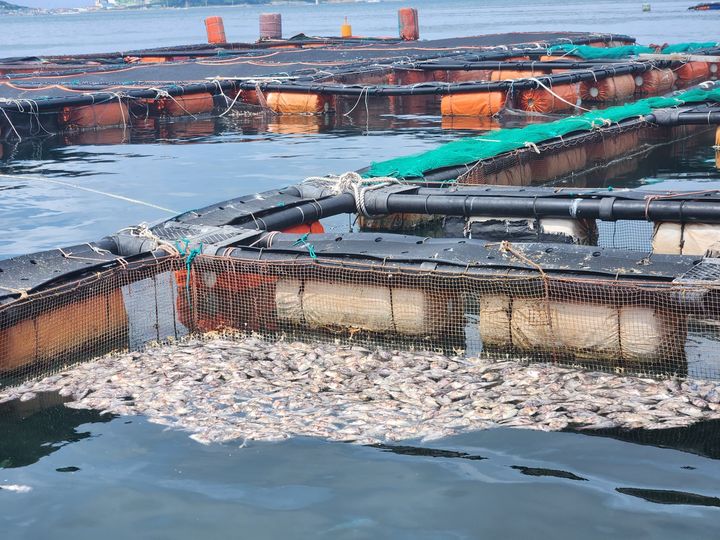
pixel 353 183
pixel 532 146
pixel 189 255
pixel 302 241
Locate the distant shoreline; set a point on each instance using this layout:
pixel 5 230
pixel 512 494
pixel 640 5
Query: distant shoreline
pixel 23 10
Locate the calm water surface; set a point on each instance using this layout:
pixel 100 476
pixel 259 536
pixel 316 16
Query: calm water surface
pixel 94 476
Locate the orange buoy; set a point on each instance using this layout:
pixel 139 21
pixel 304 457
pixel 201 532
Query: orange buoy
pixel 564 57
pixel 270 26
pixel 562 97
pixel 691 72
pixel 615 88
pixel 473 104
pixel 655 82
pixel 408 24
pixel 292 103
pixel 215 30
pixel 314 227
pixel 189 105
pixel 153 59
pixel 505 74
pixel 346 29
pixel 113 113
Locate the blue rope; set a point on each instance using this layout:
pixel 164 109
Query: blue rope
pixel 189 255
pixel 302 241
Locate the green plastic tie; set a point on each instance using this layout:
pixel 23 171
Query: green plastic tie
pixel 189 255
pixel 302 241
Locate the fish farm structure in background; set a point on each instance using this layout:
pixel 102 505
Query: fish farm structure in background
pixel 491 245
pixel 707 6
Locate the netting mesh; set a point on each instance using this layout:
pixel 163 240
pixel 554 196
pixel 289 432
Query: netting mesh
pixel 470 150
pixel 605 324
pixel 594 53
pixel 591 53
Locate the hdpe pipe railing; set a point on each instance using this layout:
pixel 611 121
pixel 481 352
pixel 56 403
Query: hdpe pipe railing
pixel 527 64
pixel 609 208
pixel 678 117
pixel 676 207
pixel 445 88
pixel 96 97
pixel 328 89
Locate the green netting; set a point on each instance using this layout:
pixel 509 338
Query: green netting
pixel 472 149
pixel 685 47
pixel 587 52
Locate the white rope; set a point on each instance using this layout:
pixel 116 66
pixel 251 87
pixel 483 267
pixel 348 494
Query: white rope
pixel 12 126
pixel 364 89
pixel 548 89
pixel 268 238
pixel 357 185
pixel 34 109
pixel 89 190
pixel 532 146
pixel 164 94
pixel 143 231
pixel 98 250
pixel 227 99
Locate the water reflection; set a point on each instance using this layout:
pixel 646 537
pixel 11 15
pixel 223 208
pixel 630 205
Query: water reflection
pixel 553 473
pixel 36 428
pixel 663 496
pixel 702 439
pixel 419 451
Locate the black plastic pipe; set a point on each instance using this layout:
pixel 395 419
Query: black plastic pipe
pixel 686 118
pixel 341 90
pixel 306 213
pixel 103 97
pixel 605 208
pixel 457 88
pixel 524 64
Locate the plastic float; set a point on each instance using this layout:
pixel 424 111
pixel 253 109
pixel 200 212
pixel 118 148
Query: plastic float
pixel 300 75
pixel 535 271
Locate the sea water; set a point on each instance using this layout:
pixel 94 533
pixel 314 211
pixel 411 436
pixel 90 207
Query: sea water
pixel 79 474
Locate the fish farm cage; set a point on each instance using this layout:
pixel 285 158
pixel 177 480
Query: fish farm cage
pixel 537 73
pixel 509 243
pixel 611 279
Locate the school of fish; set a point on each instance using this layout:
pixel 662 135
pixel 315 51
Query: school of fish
pixel 251 389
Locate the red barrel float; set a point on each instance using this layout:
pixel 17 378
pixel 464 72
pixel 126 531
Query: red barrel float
pixel 215 30
pixel 113 113
pixel 408 24
pixel 187 105
pixel 270 26
pixel 655 82
pixel 692 72
pixel 615 88
pixel 560 98
pixel 473 104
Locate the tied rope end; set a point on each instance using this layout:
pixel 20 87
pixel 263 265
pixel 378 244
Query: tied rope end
pixel 189 255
